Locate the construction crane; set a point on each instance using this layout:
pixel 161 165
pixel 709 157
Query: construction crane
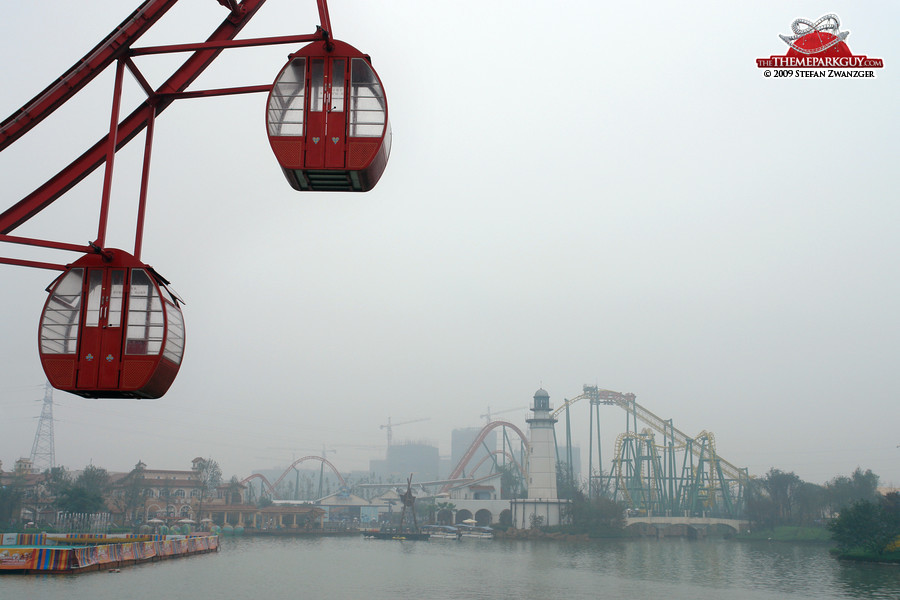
pixel 390 427
pixel 488 416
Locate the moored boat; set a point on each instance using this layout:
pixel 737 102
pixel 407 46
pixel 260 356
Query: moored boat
pixel 474 531
pixel 441 532
pixel 395 534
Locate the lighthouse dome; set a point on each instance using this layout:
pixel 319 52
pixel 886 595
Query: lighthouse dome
pixel 541 400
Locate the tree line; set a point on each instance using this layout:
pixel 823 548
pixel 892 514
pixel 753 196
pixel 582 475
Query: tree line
pixel 93 491
pixel 782 498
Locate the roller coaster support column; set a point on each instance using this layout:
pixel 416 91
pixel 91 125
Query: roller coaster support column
pixel 591 452
pixel 669 465
pixel 570 468
pixel 595 482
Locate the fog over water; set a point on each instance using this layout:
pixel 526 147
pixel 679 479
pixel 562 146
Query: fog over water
pixel 588 193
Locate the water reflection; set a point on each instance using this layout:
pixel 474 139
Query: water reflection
pixel 341 568
pixel 868 581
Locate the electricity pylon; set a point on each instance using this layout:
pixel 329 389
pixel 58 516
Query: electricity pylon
pixel 43 454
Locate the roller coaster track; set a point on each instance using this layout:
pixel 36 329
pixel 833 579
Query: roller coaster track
pixel 460 467
pixel 323 460
pixel 263 479
pixel 272 487
pixel 511 458
pixel 627 403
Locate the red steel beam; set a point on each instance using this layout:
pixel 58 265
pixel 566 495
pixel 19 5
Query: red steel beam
pixel 32 263
pixel 12 239
pixel 324 19
pixel 110 154
pixel 57 93
pixel 268 41
pixel 132 125
pixel 250 89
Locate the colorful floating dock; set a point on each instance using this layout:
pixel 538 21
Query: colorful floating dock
pixel 78 552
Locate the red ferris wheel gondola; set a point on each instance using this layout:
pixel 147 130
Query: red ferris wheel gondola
pixel 111 328
pixel 327 119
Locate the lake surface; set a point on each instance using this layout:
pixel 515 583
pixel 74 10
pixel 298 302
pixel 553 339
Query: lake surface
pixel 342 568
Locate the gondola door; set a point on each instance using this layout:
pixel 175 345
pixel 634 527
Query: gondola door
pixel 326 123
pixel 100 351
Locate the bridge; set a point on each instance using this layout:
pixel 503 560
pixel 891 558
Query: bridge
pixel 686 526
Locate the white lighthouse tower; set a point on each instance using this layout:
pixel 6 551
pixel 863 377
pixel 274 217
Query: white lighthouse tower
pixel 542 507
pixel 542 448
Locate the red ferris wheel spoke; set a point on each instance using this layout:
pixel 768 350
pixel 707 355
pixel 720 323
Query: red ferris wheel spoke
pixel 57 93
pixel 131 126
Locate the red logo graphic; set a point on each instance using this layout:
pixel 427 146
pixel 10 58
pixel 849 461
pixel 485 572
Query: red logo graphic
pixel 818 45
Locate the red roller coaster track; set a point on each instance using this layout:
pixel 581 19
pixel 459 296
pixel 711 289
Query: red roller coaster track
pixel 318 458
pixel 477 444
pixel 274 486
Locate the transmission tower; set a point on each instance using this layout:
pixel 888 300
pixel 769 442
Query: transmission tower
pixel 43 454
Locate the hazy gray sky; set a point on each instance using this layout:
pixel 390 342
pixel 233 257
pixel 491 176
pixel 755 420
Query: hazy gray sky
pixel 587 192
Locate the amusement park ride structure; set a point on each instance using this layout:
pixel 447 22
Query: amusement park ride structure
pixel 111 326
pixel 681 476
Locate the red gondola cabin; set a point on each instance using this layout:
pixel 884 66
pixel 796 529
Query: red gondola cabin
pixel 111 329
pixel 328 120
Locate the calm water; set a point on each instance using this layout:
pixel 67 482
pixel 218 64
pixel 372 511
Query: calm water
pixel 341 568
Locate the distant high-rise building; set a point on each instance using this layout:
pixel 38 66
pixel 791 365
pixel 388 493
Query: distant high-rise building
pixel 576 459
pixel 460 442
pixel 422 460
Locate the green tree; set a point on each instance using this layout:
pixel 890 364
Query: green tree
pixel 599 516
pixel 865 525
pixel 57 480
pixel 760 509
pixel 450 508
pixel 809 503
pixel 209 474
pixel 426 510
pixel 843 491
pixel 130 494
pixel 865 484
pixel 87 493
pixel 566 485
pixel 78 499
pixel 511 482
pixel 233 492
pixel 782 489
pixel 11 496
pixel 93 478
